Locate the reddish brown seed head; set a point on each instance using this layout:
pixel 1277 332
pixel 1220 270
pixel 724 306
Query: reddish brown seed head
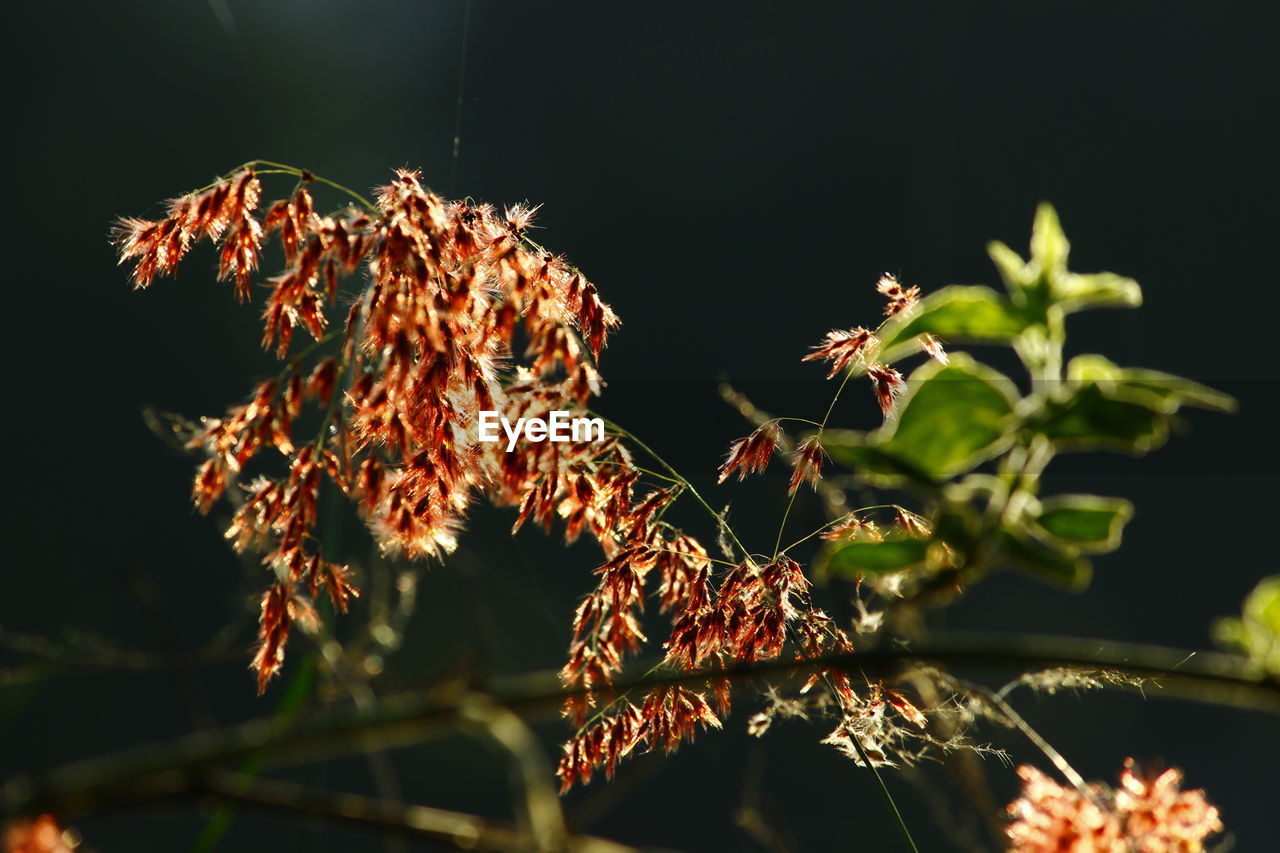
pixel 842 347
pixel 751 454
pixel 899 296
pixel 887 384
pixel 806 464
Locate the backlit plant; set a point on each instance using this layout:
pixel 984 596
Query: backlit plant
pixel 455 311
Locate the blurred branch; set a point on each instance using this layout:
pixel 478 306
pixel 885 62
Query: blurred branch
pixel 751 816
pixel 410 718
pixel 540 814
pixel 182 664
pixel 455 829
pixel 87 650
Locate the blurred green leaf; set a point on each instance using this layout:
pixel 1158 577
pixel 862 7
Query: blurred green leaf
pixel 956 314
pixel 951 417
pixel 1099 290
pixel 1087 522
pixel 858 451
pixel 1089 417
pixel 1043 284
pixel 1175 390
pixel 1186 391
pixel 1093 368
pixel 1046 562
pixel 1030 283
pixel 850 558
pixel 1257 631
pixel 1049 246
pixel 1012 268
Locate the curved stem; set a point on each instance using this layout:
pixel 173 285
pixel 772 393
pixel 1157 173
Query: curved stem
pixel 274 168
pixel 720 521
pixel 659 475
pixel 307 173
pixel 836 521
pixel 782 528
pixel 798 421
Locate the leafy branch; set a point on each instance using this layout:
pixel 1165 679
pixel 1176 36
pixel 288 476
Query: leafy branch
pixel 973 447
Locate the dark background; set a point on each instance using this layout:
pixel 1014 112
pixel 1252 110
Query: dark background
pixel 734 177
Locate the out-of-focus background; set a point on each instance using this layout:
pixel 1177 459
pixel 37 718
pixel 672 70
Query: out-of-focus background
pixel 734 176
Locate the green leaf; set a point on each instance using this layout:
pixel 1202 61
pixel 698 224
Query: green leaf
pixel 1086 522
pixel 1185 391
pixel 959 313
pixel 1257 631
pixel 1173 390
pixel 1093 368
pixel 1043 282
pixel 1030 283
pixel 1012 268
pixel 1091 417
pixel 1099 290
pixel 1049 246
pixel 1045 562
pixel 877 558
pixel 858 451
pixel 951 417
